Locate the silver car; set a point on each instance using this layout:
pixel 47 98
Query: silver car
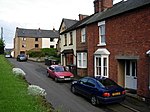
pixel 22 57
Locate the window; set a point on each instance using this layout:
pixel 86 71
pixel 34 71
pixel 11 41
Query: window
pixel 23 46
pixel 102 38
pixel 83 35
pixel 51 39
pixel 101 65
pixel 71 39
pixel 91 83
pixel 82 60
pixel 65 40
pixel 36 45
pixel 24 39
pixel 51 46
pixel 36 39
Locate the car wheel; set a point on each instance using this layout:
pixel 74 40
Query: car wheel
pixel 94 100
pixel 47 74
pixel 56 79
pixel 73 90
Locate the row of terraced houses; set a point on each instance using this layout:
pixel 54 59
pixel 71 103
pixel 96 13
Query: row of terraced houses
pixel 113 42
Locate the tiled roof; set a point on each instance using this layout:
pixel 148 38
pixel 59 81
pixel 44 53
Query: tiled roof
pixel 68 22
pixel 119 8
pixel 33 33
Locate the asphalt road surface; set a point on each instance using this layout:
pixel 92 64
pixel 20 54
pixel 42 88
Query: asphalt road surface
pixel 59 94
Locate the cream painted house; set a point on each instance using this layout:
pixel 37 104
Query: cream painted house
pixel 67 42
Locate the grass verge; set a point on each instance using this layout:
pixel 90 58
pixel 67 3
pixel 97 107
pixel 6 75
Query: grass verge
pixel 13 93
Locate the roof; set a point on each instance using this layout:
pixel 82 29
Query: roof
pixel 68 22
pixel 37 33
pixel 119 8
pixel 76 25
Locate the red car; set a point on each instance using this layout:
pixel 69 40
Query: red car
pixel 59 73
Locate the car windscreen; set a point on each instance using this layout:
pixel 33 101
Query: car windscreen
pixel 59 69
pixel 108 82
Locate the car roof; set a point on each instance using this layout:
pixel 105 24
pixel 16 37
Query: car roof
pixel 97 78
pixel 56 66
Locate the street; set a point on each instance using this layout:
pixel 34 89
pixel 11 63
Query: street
pixel 59 94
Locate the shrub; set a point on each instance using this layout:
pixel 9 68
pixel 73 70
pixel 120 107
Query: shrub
pixel 36 90
pixel 18 71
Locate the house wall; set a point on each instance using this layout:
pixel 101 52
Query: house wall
pixel 129 35
pixel 29 42
pixel 46 42
pixel 73 46
pixel 81 47
pixel 93 41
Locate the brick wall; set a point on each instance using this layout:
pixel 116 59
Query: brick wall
pixel 129 34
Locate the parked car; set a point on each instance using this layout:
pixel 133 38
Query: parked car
pixel 22 57
pixel 99 90
pixel 59 73
pixel 8 56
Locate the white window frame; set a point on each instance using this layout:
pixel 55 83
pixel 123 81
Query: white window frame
pixel 83 35
pixel 102 57
pixel 102 36
pixel 82 60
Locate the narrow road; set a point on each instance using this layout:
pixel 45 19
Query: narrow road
pixel 59 94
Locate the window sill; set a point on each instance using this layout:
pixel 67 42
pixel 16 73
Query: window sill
pixel 102 44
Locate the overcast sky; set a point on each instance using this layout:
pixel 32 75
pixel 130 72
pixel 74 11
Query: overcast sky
pixel 34 14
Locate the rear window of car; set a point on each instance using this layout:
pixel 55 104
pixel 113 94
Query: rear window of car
pixel 108 82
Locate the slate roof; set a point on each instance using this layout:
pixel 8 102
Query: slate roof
pixel 119 8
pixel 37 33
pixel 68 22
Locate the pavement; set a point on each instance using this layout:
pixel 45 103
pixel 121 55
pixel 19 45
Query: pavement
pixel 135 104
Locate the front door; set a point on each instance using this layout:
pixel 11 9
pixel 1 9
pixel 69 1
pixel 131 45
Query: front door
pixel 130 74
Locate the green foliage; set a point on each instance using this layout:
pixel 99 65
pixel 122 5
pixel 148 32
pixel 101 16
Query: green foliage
pixel 2 45
pixel 49 52
pixel 13 93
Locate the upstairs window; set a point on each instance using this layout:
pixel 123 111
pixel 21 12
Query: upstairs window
pixel 71 39
pixel 102 38
pixel 51 39
pixel 83 35
pixel 65 44
pixel 36 39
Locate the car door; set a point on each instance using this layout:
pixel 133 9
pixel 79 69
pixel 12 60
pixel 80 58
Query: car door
pixel 81 85
pixel 90 88
pixel 51 71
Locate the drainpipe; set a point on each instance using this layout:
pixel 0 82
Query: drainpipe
pixel 148 54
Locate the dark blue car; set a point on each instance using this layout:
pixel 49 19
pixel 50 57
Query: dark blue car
pixel 99 90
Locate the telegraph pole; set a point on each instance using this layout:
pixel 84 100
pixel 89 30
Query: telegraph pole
pixel 2 33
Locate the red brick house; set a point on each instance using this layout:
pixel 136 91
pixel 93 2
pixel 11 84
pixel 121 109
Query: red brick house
pixel 114 42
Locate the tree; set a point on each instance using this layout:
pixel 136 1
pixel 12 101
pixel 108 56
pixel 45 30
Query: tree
pixel 2 45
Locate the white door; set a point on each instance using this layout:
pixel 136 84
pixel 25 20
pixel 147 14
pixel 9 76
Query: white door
pixel 130 74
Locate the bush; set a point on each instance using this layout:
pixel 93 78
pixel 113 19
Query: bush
pixel 36 90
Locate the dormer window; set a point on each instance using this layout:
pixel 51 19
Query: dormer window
pixel 102 37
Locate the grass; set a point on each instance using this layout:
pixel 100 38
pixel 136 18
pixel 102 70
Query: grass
pixel 13 93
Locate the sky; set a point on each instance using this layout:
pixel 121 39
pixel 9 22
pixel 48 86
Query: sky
pixel 43 14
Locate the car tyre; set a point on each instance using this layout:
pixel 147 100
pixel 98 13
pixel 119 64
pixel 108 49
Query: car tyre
pixel 73 90
pixel 56 79
pixel 47 74
pixel 94 101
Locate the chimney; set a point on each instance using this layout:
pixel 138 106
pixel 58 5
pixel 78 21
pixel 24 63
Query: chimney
pixel 81 16
pixel 101 5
